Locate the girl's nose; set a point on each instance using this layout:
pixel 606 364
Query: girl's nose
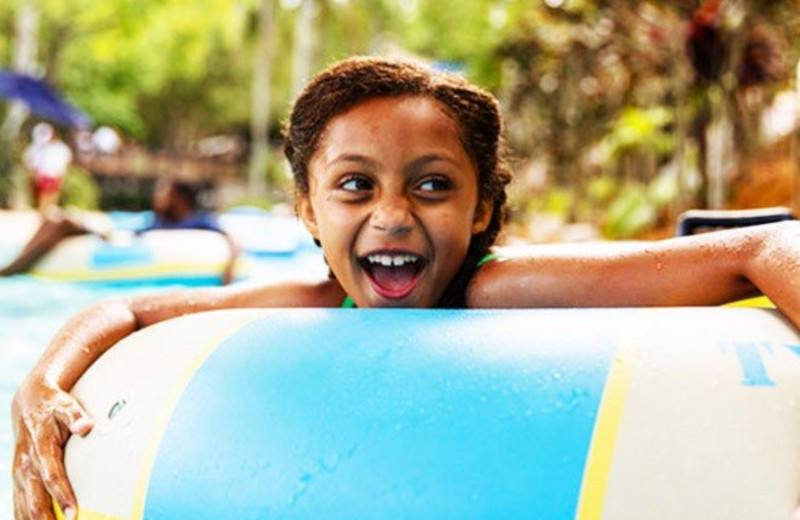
pixel 393 216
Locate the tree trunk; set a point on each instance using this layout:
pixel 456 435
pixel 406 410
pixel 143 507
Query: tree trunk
pixel 25 45
pixel 12 184
pixel 722 157
pixel 303 45
pixel 259 124
pixel 720 153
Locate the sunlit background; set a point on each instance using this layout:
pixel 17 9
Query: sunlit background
pixel 621 114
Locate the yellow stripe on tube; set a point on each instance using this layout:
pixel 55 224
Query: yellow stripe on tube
pixel 759 301
pixel 143 435
pixel 180 386
pixel 601 451
pixel 176 269
pixel 84 514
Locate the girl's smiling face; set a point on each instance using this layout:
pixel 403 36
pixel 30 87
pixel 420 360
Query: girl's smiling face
pixel 393 199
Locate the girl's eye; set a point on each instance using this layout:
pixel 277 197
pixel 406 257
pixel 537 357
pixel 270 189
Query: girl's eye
pixel 356 183
pixel 434 184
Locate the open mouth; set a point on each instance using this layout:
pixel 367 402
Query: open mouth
pixel 393 275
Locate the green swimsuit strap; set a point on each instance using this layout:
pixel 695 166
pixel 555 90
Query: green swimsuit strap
pixel 348 302
pixel 491 257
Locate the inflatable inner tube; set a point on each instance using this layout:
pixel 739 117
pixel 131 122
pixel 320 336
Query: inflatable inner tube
pixel 190 254
pixel 341 414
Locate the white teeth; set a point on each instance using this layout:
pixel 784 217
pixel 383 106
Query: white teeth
pixel 391 260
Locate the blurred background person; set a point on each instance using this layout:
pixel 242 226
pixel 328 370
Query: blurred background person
pixel 175 207
pixel 47 159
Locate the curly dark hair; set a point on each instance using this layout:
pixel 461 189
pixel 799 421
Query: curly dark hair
pixel 476 113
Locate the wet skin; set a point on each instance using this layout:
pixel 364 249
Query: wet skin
pixel 393 199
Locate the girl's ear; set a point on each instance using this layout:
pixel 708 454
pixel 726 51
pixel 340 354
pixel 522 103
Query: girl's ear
pixel 306 214
pixel 483 215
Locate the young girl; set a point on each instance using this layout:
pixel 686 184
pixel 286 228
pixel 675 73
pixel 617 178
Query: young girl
pixel 400 177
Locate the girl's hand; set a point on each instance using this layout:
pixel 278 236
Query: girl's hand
pixel 43 417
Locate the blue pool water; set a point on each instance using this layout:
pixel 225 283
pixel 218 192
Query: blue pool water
pixel 32 310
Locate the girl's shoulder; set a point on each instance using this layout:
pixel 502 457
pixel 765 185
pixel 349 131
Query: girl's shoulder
pixel 486 281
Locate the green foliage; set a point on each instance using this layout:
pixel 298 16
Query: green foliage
pixel 7 168
pixel 633 207
pixel 602 92
pixel 664 189
pixel 250 201
pixel 556 202
pixel 629 214
pixel 79 190
pixel 155 69
pixel 601 188
pixel 635 129
pixel 473 30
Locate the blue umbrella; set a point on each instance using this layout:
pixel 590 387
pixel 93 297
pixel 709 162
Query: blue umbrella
pixel 42 99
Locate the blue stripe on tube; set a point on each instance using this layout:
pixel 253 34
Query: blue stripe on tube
pixel 385 414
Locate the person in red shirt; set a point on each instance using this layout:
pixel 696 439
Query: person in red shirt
pixel 48 159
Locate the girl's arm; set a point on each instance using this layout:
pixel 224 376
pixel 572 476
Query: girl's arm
pixel 707 269
pixel 44 413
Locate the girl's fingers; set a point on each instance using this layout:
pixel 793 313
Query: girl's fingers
pixel 31 501
pixel 22 473
pixel 50 464
pixel 70 413
pixel 40 505
pixel 55 483
pixel 20 505
pixel 39 472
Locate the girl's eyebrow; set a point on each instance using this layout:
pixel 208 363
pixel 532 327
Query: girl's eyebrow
pixel 429 158
pixel 354 158
pixel 368 162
